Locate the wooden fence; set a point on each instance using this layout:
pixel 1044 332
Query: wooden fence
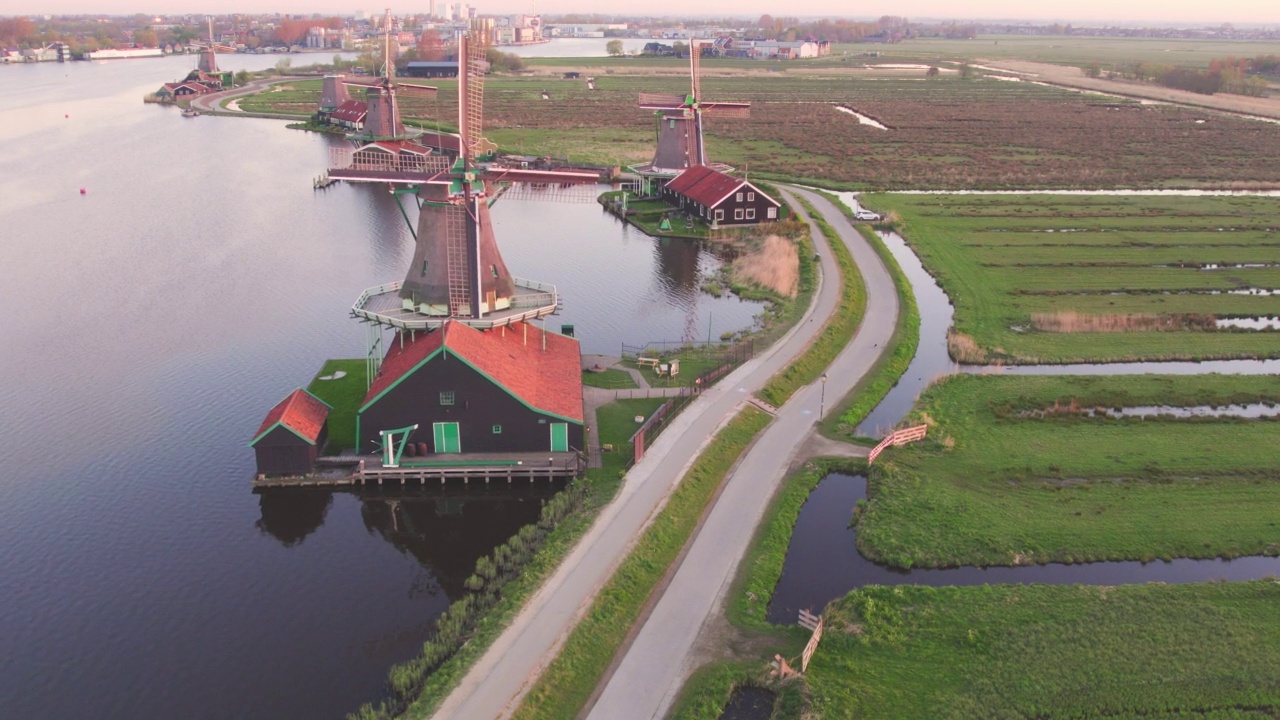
pixel 897 437
pixel 815 623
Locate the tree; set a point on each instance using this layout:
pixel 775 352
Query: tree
pixel 1092 70
pixel 430 46
pixel 283 65
pixel 614 48
pixel 966 71
pixel 932 71
pixel 679 49
pixel 242 78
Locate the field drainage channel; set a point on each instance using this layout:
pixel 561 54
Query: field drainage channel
pixel 823 562
pixel 933 360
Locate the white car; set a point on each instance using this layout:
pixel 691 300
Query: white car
pixel 866 215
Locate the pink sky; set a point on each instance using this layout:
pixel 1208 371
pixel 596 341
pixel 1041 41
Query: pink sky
pixel 1151 11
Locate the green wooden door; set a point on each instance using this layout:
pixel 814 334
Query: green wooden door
pixel 559 437
pixel 447 437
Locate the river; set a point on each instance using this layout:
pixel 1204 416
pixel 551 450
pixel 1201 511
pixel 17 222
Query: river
pixel 152 322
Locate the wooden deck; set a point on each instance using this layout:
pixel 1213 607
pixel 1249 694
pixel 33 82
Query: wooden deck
pixel 367 470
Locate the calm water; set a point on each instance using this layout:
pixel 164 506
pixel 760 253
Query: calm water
pixel 823 562
pixel 152 322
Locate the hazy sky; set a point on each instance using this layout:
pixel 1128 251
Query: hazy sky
pixel 1152 11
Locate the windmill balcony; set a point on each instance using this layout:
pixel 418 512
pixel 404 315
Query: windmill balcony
pixel 383 305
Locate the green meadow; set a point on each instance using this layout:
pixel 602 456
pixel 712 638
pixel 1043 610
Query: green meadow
pixel 1015 471
pixel 1051 652
pixel 1059 279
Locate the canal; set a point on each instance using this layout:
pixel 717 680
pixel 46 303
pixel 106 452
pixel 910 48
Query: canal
pixel 152 321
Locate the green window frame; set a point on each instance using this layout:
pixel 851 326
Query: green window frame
pixel 447 397
pixel 497 429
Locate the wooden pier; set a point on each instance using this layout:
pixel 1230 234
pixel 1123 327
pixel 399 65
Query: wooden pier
pixel 367 470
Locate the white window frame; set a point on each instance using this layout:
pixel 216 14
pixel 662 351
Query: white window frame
pixel 737 213
pixel 738 198
pixel 719 214
pixel 751 213
pixel 773 213
pixel 751 197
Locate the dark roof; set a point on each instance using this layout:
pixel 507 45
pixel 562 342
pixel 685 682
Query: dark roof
pixel 549 381
pixel 301 412
pixel 709 187
pixel 351 111
pixel 433 64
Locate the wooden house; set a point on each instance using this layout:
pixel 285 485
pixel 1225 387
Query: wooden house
pixel 719 198
pixel 292 435
pixel 515 388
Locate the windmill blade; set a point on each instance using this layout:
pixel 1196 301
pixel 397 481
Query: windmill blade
pixel 660 101
pixel 540 192
pixel 727 109
pixel 424 90
pixel 499 173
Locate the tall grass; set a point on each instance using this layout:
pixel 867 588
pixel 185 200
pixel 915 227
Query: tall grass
pixel 835 333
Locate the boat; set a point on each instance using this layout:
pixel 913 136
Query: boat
pixel 190 112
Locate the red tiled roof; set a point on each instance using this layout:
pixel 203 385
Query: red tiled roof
pixel 549 381
pixel 397 146
pixel 351 111
pixel 301 412
pixel 709 187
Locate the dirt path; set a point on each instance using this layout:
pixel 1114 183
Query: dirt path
pixel 1075 77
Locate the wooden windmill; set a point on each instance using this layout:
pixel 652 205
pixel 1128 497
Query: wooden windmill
pixel 679 123
pixel 457 272
pixel 383 121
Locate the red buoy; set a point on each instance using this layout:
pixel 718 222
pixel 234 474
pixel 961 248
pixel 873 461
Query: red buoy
pixel 82 192
pixel 67 115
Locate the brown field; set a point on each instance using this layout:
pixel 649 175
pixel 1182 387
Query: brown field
pixel 945 132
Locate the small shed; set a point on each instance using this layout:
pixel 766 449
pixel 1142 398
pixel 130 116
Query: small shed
pixel 292 435
pixel 431 69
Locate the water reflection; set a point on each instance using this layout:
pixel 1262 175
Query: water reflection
pixel 290 515
pixel 823 562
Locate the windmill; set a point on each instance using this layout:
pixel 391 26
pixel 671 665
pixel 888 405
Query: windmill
pixel 382 121
pixel 679 124
pixel 457 272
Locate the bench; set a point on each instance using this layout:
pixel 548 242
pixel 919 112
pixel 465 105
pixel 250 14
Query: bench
pixel 649 362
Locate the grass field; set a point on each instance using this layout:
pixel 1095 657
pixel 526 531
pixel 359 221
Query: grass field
pixel 992 485
pixel 1053 653
pixel 946 132
pixel 344 395
pixel 1038 278
pixel 611 378
pixel 1069 50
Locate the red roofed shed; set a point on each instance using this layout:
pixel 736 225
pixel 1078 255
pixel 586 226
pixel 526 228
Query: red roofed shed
pixel 720 198
pixel 292 435
pixel 512 389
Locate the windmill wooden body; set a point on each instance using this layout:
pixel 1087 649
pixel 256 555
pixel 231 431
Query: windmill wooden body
pixel 679 128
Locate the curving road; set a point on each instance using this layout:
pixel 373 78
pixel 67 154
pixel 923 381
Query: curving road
pixel 657 662
pixel 498 681
pixel 210 104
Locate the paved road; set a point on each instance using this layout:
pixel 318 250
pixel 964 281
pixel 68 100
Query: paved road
pixel 211 103
pixel 498 681
pixel 657 662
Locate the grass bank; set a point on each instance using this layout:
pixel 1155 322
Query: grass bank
pixel 344 394
pixel 1015 471
pixel 1057 279
pixel 569 680
pixel 1052 652
pixel 836 332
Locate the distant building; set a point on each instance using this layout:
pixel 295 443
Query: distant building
pixel 425 69
pixel 350 115
pixel 292 435
pixel 719 198
pixel 510 389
